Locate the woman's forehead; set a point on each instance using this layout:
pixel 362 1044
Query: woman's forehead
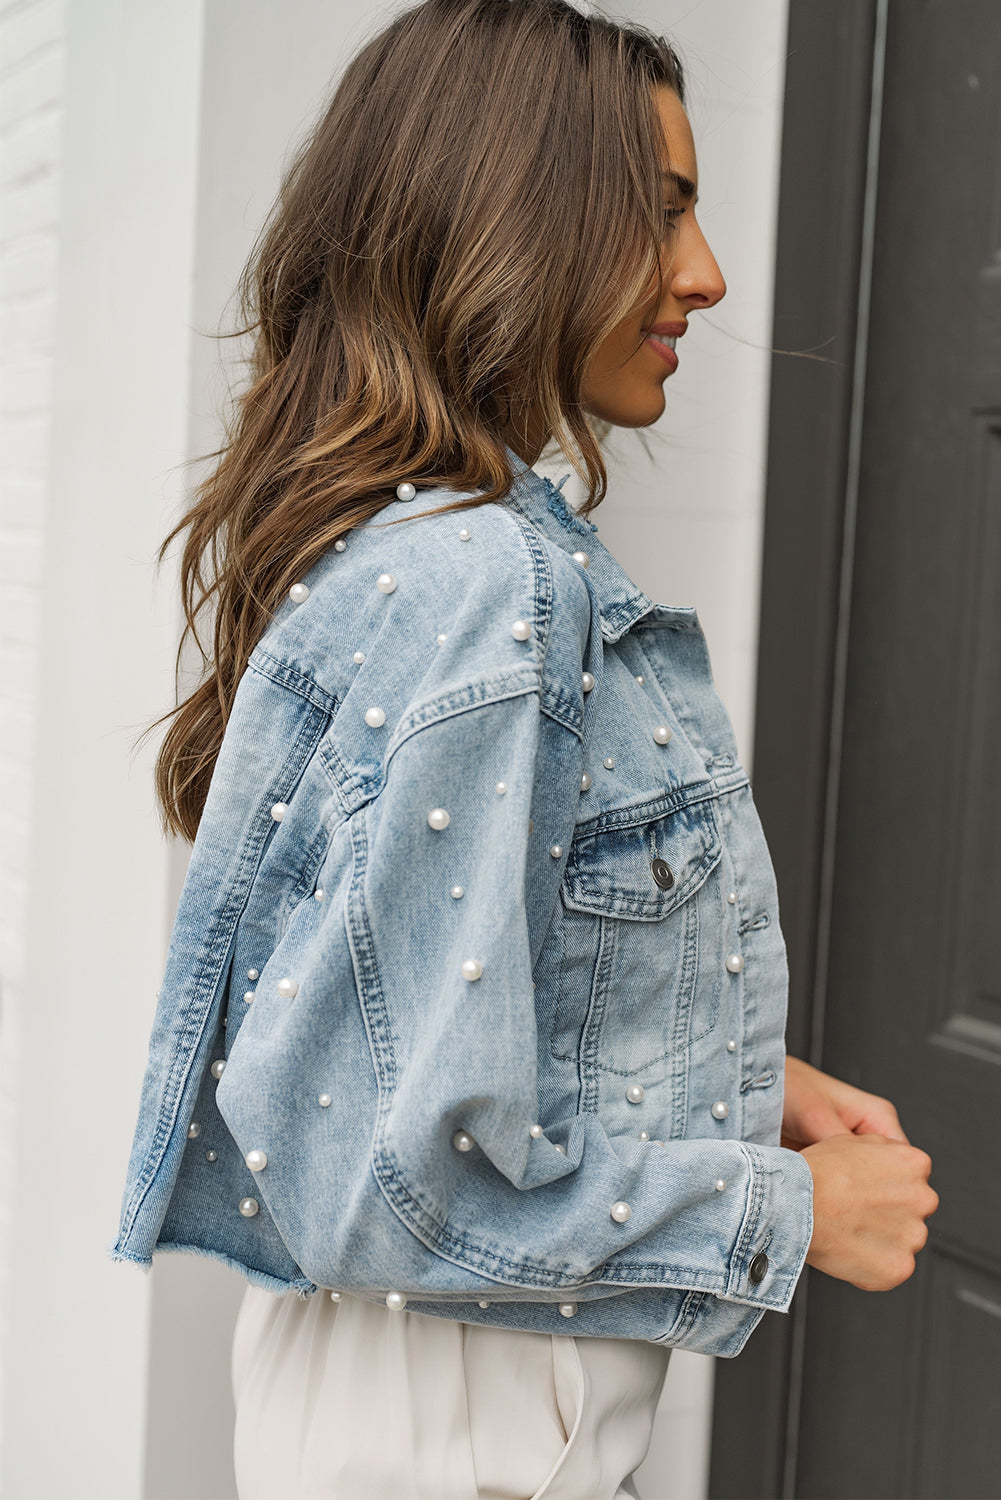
pixel 679 142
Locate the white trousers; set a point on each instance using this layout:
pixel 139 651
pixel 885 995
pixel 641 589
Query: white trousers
pixel 349 1401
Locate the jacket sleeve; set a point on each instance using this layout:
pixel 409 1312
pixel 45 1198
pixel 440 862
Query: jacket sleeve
pixel 456 868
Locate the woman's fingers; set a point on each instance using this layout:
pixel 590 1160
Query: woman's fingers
pixel 871 1200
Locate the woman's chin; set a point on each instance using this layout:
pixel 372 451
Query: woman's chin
pixel 647 414
pixel 638 413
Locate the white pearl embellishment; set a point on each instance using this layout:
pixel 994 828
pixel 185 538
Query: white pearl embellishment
pixel 318 893
pixel 662 734
pixel 406 491
pixel 396 1301
pixel 441 639
pixel 620 1212
pixel 298 593
pixel 585 782
pixel 720 1109
pixel 609 763
pixel 483 1303
pixel 249 1207
pixel 340 545
pixel 582 558
pixel 462 1140
pixel 288 989
pixel 194 1130
pixel 644 1135
pixel 248 998
pixel 731 897
pixel 731 1045
pixel 561 1149
pixel 385 583
pixel 375 717
pixel 464 534
pixel 438 819
pixel 456 892
pixel 358 658
pixel 536 1131
pixel 219 1068
pixel 641 679
pixel 335 1296
pixel 256 1160
pixel 279 810
pixel 587 682
pixel 720 1184
pixel 324 1101
pixel 635 1093
pixel 472 969
pixel 735 963
pixel 211 1156
pixel 501 788
pixel 567 1309
pixel 557 851
pixel 521 630
pixel 253 974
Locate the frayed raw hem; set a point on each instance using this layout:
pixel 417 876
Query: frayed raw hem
pixel 133 1260
pixel 303 1289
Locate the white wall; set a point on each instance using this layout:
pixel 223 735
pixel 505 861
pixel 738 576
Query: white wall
pixel 177 118
pixel 31 86
pixel 77 1017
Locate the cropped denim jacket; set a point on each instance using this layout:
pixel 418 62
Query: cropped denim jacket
pixel 475 998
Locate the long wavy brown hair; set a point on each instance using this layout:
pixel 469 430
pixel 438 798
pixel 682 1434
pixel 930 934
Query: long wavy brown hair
pixel 479 206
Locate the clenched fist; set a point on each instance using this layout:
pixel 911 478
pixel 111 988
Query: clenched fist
pixel 870 1201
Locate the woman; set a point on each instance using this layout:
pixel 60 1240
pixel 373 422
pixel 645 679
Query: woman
pixel 474 1008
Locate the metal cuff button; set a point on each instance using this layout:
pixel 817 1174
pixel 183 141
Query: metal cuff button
pixel 758 1269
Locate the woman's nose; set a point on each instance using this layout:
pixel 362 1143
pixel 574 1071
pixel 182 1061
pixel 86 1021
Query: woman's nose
pixel 696 276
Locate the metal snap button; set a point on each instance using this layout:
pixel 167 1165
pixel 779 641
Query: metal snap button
pixel 662 874
pixel 758 1269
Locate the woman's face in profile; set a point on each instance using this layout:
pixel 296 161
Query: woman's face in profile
pixel 625 384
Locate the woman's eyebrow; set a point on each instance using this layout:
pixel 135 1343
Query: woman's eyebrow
pixel 684 185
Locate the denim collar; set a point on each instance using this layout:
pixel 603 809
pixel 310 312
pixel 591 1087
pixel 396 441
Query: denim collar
pixel 620 602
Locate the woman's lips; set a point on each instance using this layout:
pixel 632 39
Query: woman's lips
pixel 665 348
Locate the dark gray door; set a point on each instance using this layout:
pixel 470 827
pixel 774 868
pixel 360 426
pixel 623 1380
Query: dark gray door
pixel 897 855
pixel 902 1392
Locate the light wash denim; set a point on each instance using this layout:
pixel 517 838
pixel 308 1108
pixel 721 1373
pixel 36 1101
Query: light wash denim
pixel 479 953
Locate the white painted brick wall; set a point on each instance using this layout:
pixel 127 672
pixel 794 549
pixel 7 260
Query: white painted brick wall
pixel 31 76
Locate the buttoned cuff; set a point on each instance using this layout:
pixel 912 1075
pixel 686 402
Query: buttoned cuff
pixel 775 1235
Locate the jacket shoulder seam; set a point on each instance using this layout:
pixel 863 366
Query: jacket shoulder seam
pixel 284 675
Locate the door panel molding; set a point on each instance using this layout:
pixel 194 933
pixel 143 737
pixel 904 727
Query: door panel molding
pixel 969 994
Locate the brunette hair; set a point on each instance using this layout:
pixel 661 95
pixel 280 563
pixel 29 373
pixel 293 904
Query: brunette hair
pixel 480 204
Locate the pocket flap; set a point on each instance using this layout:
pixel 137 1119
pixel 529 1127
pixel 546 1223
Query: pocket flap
pixel 646 870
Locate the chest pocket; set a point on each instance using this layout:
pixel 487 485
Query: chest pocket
pixel 639 927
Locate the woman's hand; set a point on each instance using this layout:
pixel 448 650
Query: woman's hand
pixel 871 1198
pixel 818 1106
pixel 871 1195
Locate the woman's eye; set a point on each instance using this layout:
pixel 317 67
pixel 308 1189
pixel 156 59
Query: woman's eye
pixel 671 217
